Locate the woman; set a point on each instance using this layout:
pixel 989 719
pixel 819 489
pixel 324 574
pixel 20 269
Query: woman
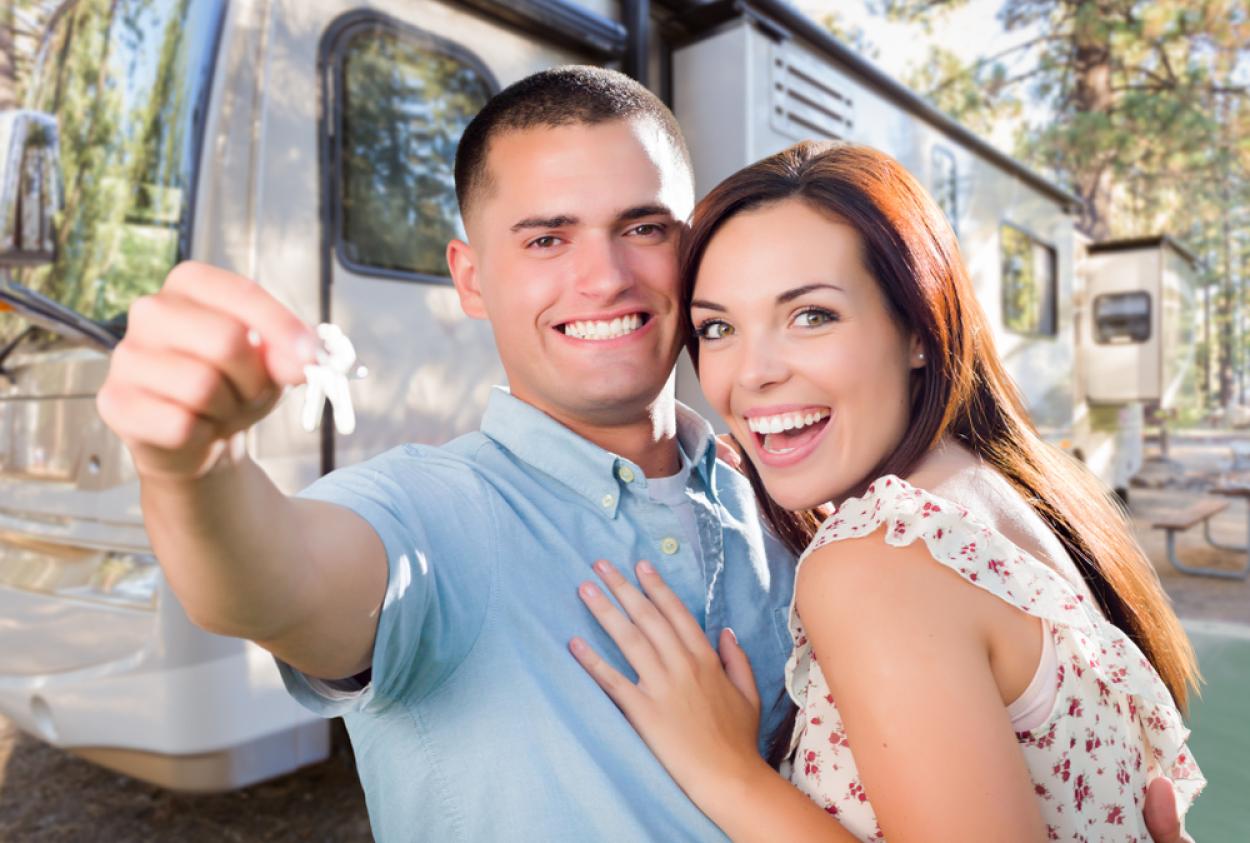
pixel 956 631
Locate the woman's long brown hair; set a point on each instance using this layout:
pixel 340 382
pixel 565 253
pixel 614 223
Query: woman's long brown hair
pixel 963 391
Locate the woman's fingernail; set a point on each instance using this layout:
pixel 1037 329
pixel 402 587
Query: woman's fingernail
pixel 601 567
pixel 588 590
pixel 732 634
pixel 644 567
pixel 578 646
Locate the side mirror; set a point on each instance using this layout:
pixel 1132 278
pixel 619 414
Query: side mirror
pixel 30 187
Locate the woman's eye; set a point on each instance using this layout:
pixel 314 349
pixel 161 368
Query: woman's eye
pixel 714 329
pixel 814 317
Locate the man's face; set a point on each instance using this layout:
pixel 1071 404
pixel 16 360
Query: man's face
pixel 572 257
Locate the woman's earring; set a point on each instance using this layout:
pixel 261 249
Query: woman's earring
pixel 920 356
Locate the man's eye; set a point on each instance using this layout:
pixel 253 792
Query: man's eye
pixel 647 229
pixel 714 329
pixel 814 317
pixel 545 242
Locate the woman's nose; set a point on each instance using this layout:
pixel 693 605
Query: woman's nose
pixel 761 364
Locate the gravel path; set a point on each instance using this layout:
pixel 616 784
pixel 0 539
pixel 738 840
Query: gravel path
pixel 49 795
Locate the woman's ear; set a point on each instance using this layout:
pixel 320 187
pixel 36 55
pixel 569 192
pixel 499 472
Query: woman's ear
pixel 918 357
pixel 462 263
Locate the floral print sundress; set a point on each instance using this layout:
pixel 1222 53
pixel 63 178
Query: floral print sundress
pixel 1113 727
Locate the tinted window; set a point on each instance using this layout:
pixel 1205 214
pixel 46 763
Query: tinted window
pixel 1029 284
pixel 1122 317
pixel 405 100
pixel 126 81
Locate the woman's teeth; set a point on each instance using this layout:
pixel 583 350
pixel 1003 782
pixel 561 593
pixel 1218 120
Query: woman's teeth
pixel 604 330
pixel 785 421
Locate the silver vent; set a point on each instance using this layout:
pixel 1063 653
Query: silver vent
pixel 808 99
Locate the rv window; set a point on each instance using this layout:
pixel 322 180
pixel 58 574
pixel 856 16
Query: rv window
pixel 946 184
pixel 405 99
pixel 127 81
pixel 1029 283
pixel 1122 318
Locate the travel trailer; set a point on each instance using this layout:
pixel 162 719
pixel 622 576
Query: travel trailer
pixel 1135 348
pixel 308 144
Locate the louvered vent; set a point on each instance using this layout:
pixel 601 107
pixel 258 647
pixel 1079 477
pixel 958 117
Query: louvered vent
pixel 809 99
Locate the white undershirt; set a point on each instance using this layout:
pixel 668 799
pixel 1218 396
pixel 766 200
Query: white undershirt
pixel 671 491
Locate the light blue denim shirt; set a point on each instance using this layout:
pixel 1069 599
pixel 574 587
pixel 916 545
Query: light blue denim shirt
pixel 477 723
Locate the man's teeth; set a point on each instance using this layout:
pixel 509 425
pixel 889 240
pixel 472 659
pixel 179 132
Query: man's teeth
pixel 604 330
pixel 785 421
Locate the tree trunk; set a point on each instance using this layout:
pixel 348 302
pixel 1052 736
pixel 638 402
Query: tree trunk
pixel 8 56
pixel 1092 96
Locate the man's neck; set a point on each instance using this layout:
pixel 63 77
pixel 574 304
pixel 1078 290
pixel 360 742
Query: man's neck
pixel 657 457
pixel 648 440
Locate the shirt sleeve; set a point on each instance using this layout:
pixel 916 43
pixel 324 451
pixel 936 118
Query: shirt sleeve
pixel 433 514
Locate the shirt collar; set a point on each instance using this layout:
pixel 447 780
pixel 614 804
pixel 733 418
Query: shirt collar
pixel 590 471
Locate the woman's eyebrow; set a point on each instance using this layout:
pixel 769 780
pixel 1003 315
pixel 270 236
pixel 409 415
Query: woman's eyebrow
pixel 791 295
pixel 707 305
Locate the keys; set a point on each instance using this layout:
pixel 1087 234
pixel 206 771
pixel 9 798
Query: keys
pixel 328 380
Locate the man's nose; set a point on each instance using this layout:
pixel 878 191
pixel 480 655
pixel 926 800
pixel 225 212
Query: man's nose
pixel 760 363
pixel 603 271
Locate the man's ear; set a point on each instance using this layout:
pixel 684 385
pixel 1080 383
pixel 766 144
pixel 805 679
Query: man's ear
pixel 463 265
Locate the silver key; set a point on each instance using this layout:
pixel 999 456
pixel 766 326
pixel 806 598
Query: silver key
pixel 328 380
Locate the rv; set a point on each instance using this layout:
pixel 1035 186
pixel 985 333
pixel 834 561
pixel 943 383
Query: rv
pixel 308 144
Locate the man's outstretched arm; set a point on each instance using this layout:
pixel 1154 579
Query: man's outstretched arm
pixel 202 361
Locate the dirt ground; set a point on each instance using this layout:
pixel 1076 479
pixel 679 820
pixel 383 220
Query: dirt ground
pixel 49 795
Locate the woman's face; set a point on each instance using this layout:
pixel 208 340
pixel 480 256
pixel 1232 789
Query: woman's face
pixel 798 351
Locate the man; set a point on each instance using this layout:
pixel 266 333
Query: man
pixel 428 594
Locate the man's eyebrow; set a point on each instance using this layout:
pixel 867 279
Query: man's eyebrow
pixel 640 211
pixel 558 221
pixel 791 295
pixel 707 305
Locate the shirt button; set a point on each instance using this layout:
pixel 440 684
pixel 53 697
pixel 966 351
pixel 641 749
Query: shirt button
pixel 669 545
pixel 607 501
pixel 626 474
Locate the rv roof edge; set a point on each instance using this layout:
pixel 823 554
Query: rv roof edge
pixel 788 17
pixel 1153 241
pixel 560 21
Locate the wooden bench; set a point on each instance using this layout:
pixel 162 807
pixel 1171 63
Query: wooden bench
pixel 1178 522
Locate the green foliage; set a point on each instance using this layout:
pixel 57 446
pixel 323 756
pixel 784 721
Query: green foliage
pixel 119 77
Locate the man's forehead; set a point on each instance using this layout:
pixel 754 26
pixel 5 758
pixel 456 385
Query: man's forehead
pixel 633 156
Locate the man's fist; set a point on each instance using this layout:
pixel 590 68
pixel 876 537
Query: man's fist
pixel 203 359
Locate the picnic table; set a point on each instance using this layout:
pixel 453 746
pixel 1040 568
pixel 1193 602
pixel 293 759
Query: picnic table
pixel 1203 510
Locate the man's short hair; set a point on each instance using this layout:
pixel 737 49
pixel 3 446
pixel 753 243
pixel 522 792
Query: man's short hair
pixel 561 96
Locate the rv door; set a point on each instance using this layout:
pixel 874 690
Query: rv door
pixel 398 83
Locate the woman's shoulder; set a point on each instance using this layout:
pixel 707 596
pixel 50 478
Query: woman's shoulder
pixel 902 509
pixel 866 561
